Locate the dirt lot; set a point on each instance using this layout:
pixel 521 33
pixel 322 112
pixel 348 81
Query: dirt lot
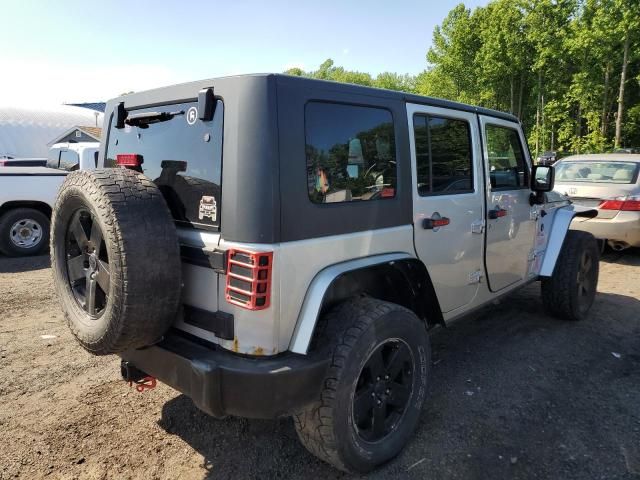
pixel 514 394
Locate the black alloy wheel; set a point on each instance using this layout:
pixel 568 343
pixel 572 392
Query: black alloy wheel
pixel 373 391
pixel 383 390
pixel 87 260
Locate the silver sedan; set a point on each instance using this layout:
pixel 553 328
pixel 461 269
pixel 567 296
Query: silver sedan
pixel 611 184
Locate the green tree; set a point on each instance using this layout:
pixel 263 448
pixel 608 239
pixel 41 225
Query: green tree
pixel 569 69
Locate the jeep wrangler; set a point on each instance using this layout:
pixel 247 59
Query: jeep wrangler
pixel 277 246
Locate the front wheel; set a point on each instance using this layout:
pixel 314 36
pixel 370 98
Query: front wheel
pixel 374 389
pixel 570 291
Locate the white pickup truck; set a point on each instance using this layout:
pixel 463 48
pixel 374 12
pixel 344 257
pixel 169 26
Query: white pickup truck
pixel 27 195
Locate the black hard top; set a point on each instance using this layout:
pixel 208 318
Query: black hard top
pixel 396 95
pixel 157 94
pixel 265 187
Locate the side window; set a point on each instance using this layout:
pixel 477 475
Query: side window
pixel 69 160
pixel 507 166
pixel 351 153
pixel 444 161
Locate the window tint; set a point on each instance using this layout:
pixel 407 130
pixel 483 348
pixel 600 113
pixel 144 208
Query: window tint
pixel 507 167
pixel 351 153
pixel 444 160
pixel 69 160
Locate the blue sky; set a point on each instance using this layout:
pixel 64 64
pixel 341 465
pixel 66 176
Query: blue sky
pixel 70 51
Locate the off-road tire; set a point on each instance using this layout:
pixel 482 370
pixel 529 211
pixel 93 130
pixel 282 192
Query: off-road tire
pixel 143 257
pixel 9 219
pixel 353 330
pixel 562 294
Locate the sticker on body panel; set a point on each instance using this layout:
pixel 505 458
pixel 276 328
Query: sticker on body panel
pixel 208 208
pixel 192 115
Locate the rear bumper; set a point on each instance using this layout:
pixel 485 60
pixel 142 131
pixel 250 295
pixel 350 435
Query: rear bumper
pixel 221 383
pixel 624 227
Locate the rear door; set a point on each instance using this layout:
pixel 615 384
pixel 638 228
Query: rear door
pixel 448 200
pixel 510 217
pixel 183 157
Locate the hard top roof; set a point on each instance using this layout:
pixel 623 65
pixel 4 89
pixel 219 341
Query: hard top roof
pixel 342 87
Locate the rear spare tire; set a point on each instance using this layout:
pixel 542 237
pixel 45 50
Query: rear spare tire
pixel 115 259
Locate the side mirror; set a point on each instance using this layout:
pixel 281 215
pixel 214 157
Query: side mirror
pixel 542 180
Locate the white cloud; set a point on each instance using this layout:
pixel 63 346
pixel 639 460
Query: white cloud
pixel 345 51
pixel 34 82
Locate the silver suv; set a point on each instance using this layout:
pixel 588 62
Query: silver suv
pixel 277 246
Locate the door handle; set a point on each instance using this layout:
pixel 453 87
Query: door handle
pixel 431 223
pixel 497 213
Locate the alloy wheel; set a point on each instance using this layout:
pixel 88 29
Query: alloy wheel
pixel 383 390
pixel 87 260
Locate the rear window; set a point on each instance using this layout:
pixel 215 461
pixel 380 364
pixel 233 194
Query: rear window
pixel 183 158
pixel 63 160
pixel 351 153
pixel 69 160
pixel 596 172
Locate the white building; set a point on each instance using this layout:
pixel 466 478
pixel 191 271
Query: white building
pixel 25 132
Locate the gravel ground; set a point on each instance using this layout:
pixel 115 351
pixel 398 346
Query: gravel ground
pixel 513 394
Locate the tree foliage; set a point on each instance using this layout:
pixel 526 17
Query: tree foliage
pixel 569 69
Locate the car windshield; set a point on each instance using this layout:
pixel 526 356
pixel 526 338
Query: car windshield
pixel 594 171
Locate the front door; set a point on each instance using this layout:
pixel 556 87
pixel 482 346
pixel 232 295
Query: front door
pixel 448 200
pixel 510 217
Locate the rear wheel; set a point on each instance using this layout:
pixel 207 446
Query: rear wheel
pixel 375 387
pixel 571 290
pixel 23 231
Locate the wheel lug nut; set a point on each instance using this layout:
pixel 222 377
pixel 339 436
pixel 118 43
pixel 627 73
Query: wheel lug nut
pixel 379 402
pixel 373 394
pixel 387 391
pixel 377 379
pixel 386 377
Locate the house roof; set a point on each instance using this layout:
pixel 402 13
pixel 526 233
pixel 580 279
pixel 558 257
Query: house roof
pixel 93 132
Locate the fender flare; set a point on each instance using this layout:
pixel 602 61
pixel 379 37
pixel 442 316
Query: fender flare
pixel 312 304
pixel 561 222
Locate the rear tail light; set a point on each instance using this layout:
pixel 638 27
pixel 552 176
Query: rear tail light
pixel 2 163
pixel 627 204
pixel 249 279
pixel 129 160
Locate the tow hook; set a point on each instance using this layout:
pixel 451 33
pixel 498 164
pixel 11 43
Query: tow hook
pixel 147 383
pixel 133 375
